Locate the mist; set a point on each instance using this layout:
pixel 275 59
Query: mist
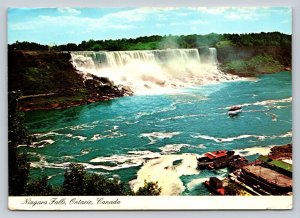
pixel 152 71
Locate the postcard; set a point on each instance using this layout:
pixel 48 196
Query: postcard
pixel 150 108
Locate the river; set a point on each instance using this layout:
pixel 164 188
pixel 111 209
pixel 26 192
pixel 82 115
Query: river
pixel 158 136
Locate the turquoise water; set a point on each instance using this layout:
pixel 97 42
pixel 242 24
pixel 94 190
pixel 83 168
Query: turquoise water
pixel 118 137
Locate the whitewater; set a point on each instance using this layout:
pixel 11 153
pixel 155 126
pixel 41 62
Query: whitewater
pixel 152 71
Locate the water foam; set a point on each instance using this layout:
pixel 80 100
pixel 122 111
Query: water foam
pixel 112 133
pixel 151 70
pixel 269 103
pixel 254 151
pixel 196 182
pixel 153 136
pixel 131 159
pixel 82 127
pixel 230 139
pixel 183 117
pixel 166 173
pixel 172 148
pixel 42 143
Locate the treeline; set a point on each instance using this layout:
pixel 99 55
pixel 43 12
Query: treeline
pixel 259 39
pixel 77 181
pixel 164 42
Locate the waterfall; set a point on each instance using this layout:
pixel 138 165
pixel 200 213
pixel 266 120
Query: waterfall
pixel 151 70
pixel 213 55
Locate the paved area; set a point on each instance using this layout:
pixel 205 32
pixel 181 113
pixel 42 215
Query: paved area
pixel 269 175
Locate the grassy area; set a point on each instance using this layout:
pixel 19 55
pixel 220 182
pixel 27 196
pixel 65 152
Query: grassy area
pixel 253 66
pixel 144 46
pixel 277 163
pixel 224 43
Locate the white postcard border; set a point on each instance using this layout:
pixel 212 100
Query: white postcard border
pixel 13 201
pixel 150 203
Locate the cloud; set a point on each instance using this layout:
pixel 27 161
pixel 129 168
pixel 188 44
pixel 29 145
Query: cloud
pixel 284 21
pixel 160 25
pixel 182 14
pixel 133 15
pixel 244 14
pixel 198 22
pixel 70 11
pixel 111 21
pixel 155 20
pixel 26 25
pixel 127 19
pixel 213 11
pixel 192 22
pixel 236 13
pixel 237 16
pixel 278 10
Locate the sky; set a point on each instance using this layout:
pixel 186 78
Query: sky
pixel 72 25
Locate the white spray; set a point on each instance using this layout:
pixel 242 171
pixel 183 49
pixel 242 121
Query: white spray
pixel 151 71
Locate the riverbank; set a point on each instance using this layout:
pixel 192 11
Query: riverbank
pixel 48 80
pixel 252 61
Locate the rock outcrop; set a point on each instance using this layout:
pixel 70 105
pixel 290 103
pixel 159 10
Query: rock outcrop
pixel 48 80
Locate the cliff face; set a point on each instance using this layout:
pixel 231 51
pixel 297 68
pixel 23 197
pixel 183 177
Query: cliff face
pixel 41 72
pixel 282 53
pixel 48 80
pixel 253 60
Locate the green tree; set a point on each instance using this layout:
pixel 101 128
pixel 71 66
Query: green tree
pixel 96 47
pixel 74 180
pixel 100 185
pixel 39 187
pixel 162 42
pixel 18 164
pixel 79 182
pixel 18 173
pixel 149 188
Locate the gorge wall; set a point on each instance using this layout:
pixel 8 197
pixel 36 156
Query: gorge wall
pixel 62 79
pixel 48 80
pixel 254 60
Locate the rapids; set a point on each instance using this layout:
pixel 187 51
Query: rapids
pixel 158 137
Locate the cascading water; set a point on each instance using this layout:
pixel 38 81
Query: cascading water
pixel 213 55
pixel 151 71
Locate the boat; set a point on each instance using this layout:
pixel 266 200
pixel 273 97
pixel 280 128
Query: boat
pixel 215 185
pixel 216 159
pixel 234 110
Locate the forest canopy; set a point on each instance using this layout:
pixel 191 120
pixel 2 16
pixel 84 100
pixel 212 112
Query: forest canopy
pixel 164 42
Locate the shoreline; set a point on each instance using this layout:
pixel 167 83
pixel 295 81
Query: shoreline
pixel 255 75
pixel 57 106
pixel 29 105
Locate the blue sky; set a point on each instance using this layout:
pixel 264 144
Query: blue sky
pixel 73 25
